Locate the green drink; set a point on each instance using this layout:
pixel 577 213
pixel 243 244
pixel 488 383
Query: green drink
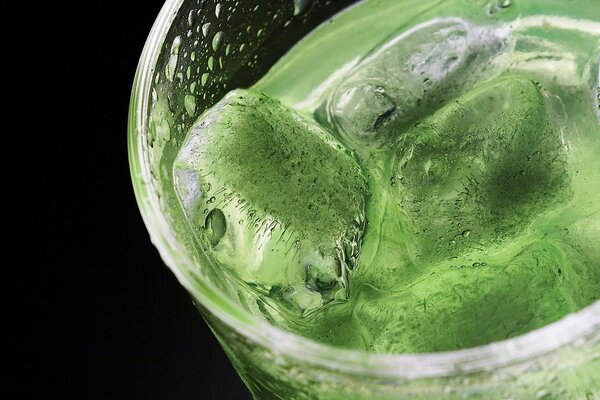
pixel 411 177
pixel 457 205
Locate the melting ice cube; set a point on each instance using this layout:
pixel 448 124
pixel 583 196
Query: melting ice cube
pixel 409 77
pixel 483 167
pixel 273 197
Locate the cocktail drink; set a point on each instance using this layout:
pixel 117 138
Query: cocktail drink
pixel 410 179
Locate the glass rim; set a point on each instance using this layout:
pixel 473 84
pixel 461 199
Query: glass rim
pixel 569 329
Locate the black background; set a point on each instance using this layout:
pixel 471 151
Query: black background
pixel 102 316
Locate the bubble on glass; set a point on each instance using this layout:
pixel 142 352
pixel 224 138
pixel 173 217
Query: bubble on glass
pixel 215 226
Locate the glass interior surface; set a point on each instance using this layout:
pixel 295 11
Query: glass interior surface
pixel 198 51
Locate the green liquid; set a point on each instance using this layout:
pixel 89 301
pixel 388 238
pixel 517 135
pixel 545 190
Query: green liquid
pixel 449 197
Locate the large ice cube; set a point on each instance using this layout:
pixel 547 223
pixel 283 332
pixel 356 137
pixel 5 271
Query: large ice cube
pixel 409 77
pixel 273 197
pixel 482 168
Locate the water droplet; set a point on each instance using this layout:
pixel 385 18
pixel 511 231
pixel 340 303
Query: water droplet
pixel 190 104
pixel 215 226
pixel 217 41
pixel 174 57
pixel 228 49
pixel 218 10
pixel 171 101
pixel 301 6
pixel 204 79
pixel 211 200
pixel 466 233
pixel 205 29
pixel 503 3
pixel 193 56
pixel 211 63
pixel 192 17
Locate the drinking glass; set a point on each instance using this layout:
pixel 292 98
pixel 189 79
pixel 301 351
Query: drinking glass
pixel 197 51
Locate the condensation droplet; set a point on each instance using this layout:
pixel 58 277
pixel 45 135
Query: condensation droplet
pixel 173 58
pixel 205 29
pixel 503 3
pixel 193 56
pixel 301 6
pixel 218 10
pixel 171 101
pixel 204 78
pixel 228 49
pixel 218 40
pixel 189 102
pixel 211 63
pixel 191 18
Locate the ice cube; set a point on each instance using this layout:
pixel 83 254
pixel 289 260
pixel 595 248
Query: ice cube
pixel 482 168
pixel 409 77
pixel 273 197
pixel 467 305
